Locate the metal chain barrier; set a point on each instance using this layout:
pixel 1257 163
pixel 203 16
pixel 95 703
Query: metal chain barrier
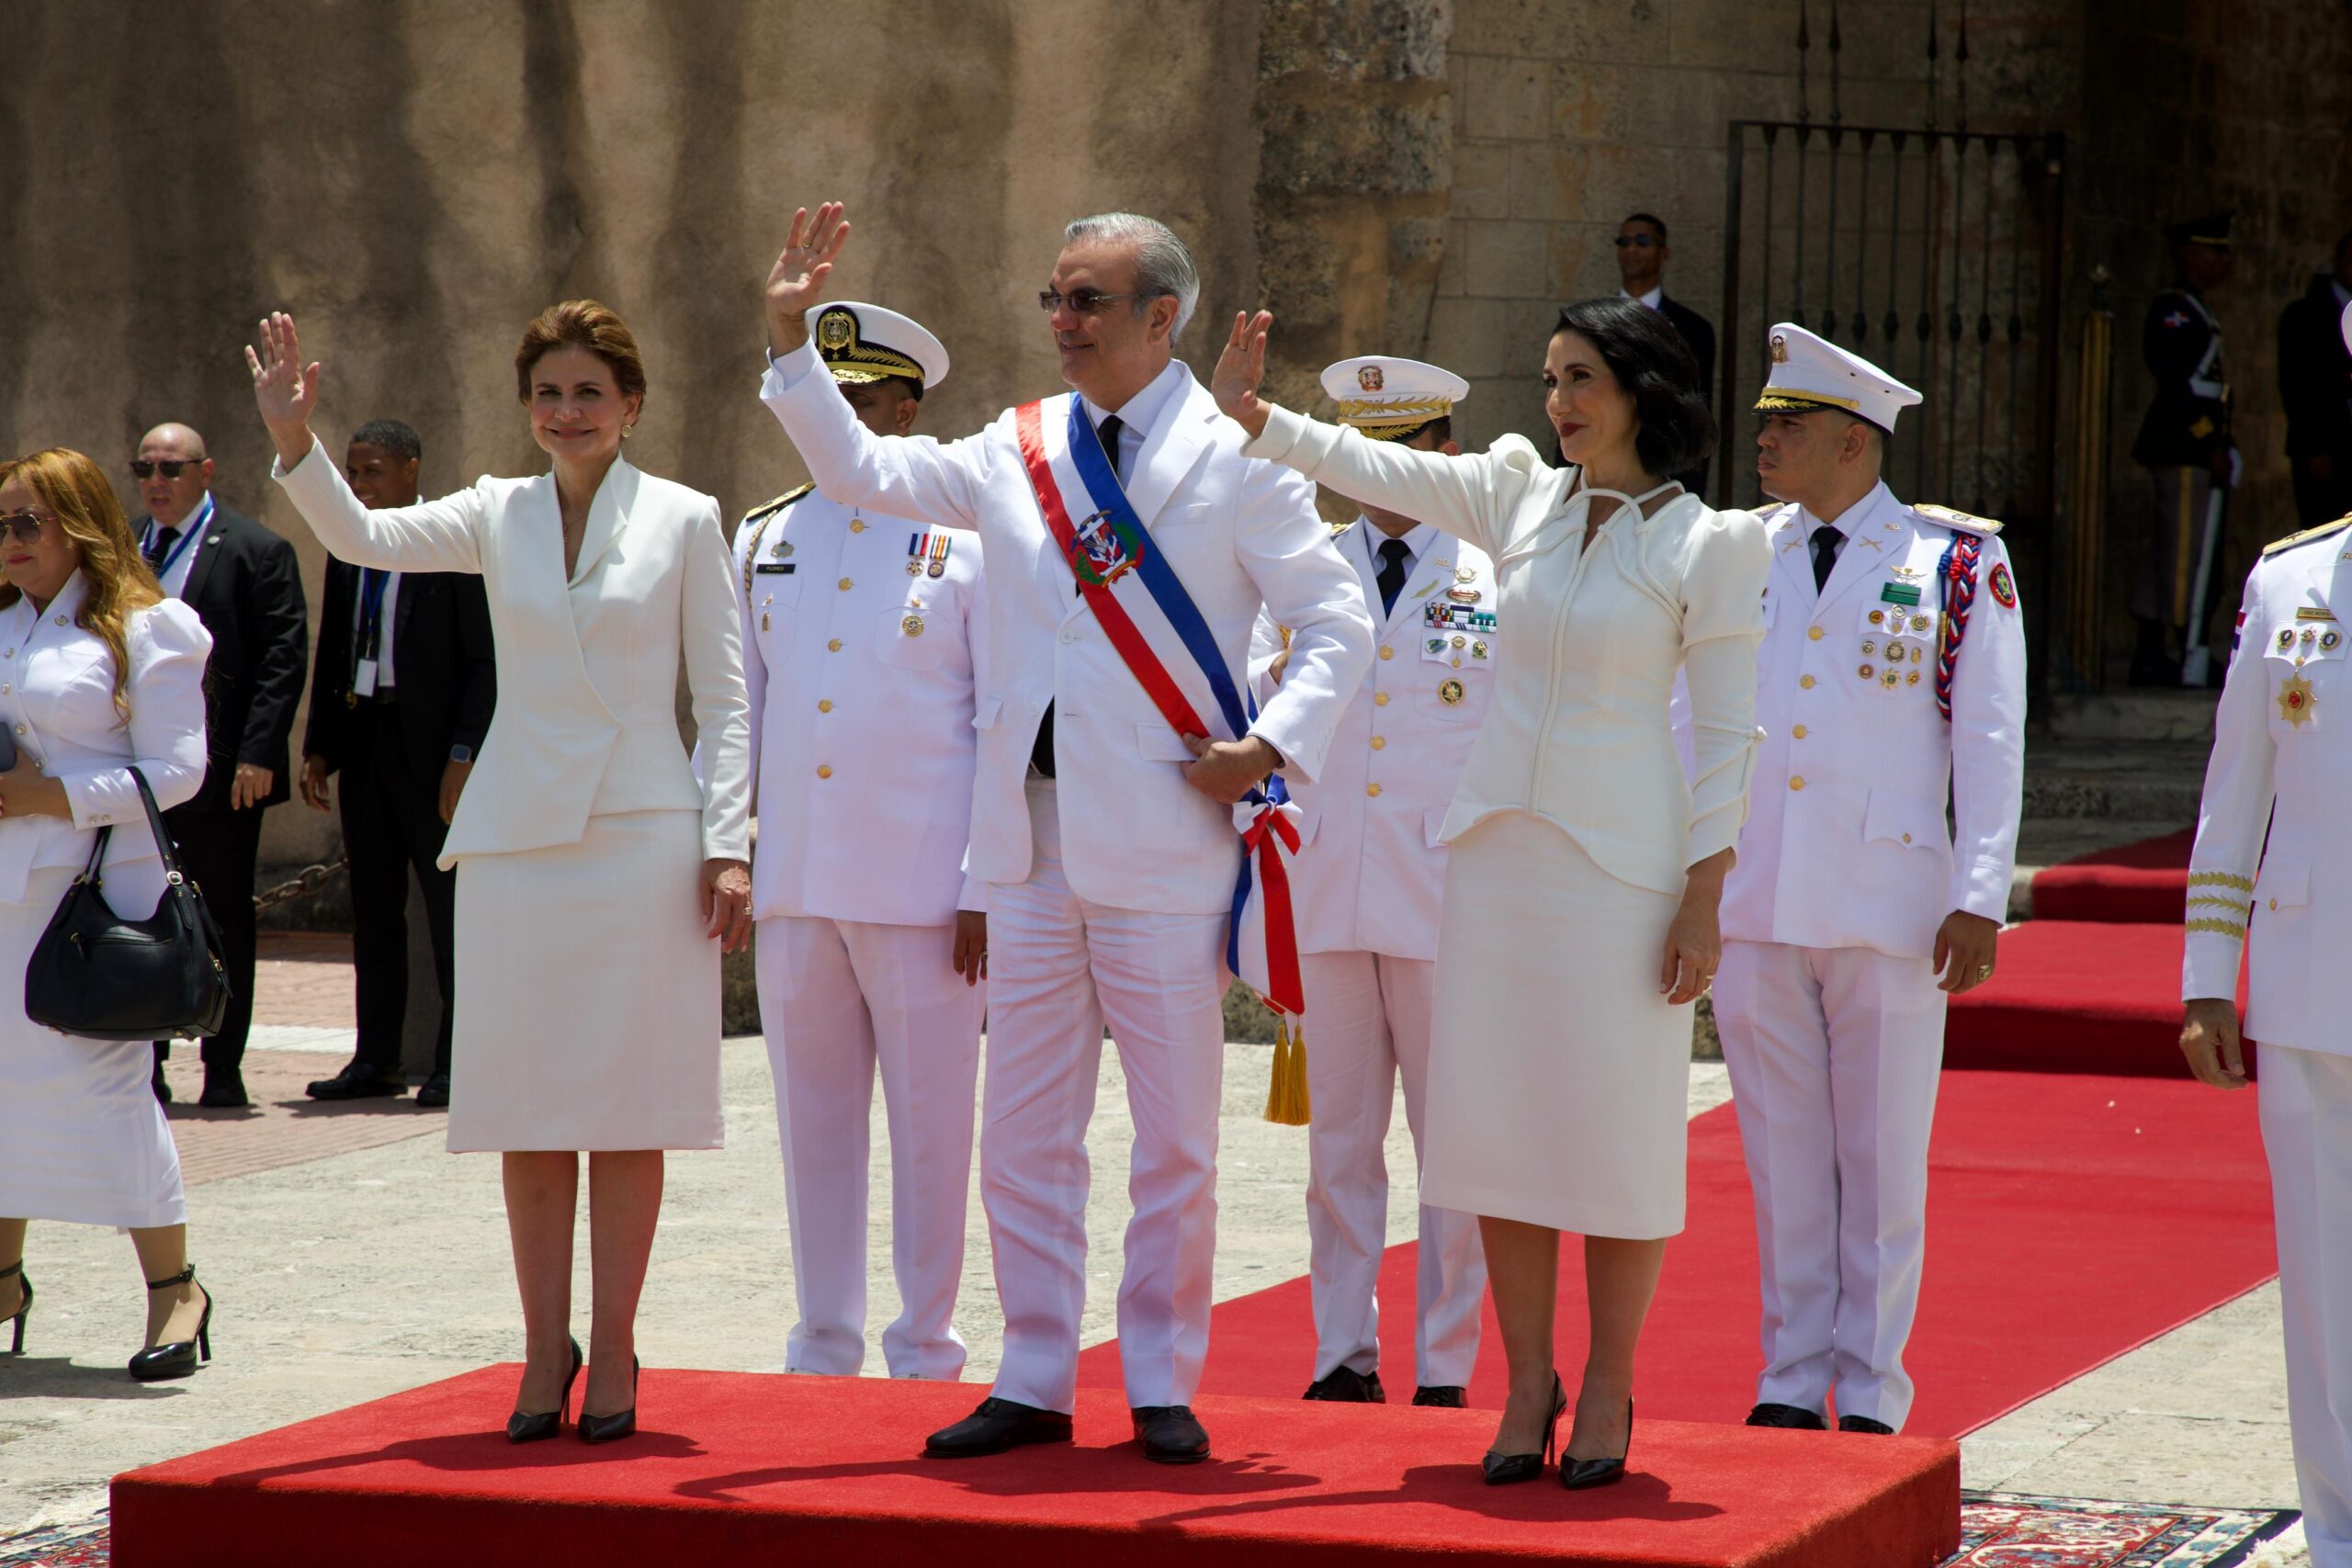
pixel 312 879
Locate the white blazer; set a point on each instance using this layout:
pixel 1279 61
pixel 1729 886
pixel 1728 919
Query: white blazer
pixel 1242 535
pixel 57 700
pixel 1847 843
pixel 860 677
pixel 1371 872
pixel 1577 731
pixel 588 670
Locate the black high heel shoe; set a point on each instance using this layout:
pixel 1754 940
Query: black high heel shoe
pixel 1501 1470
pixel 23 1307
pixel 177 1358
pixel 1577 1474
pixel 614 1428
pixel 522 1429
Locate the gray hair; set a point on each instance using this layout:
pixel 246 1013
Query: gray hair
pixel 1163 266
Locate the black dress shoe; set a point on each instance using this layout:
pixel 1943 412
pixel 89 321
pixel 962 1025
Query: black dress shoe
pixel 1864 1423
pixel 996 1425
pixel 434 1093
pixel 175 1358
pixel 1348 1386
pixel 1786 1416
pixel 1442 1396
pixel 1582 1474
pixel 541 1424
pixel 1505 1470
pixel 224 1091
pixel 1170 1435
pixel 160 1086
pixel 359 1080
pixel 614 1428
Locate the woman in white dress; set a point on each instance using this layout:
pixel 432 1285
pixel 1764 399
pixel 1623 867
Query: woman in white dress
pixel 98 672
pixel 1578 922
pixel 598 880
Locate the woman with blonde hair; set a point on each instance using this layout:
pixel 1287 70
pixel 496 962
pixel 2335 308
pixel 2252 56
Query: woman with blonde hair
pixel 598 879
pixel 99 673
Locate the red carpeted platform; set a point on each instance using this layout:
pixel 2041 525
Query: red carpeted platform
pixel 741 1468
pixel 2076 997
pixel 2147 881
pixel 2069 1220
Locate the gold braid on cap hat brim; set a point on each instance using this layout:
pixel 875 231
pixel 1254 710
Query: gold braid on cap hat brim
pixel 1388 411
pixel 862 362
pixel 1790 400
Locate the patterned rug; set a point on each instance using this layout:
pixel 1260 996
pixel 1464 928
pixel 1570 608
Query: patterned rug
pixel 1996 1530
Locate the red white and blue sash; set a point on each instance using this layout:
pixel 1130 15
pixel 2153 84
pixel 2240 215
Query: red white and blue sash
pixel 1166 644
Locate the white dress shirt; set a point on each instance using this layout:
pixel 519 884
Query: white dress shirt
pixel 182 555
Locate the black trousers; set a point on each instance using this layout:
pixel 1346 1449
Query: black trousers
pixel 218 849
pixel 392 822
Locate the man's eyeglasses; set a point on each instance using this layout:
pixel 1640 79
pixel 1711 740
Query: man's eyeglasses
pixel 144 468
pixel 23 526
pixel 1084 301
pixel 1644 241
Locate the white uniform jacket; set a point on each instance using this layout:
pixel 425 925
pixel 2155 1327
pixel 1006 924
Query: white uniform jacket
pixel 57 700
pixel 860 676
pixel 1241 535
pixel 1847 843
pixel 2282 750
pixel 1372 868
pixel 587 670
pixel 1576 730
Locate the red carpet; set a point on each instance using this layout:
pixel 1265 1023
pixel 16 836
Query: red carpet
pixel 2143 882
pixel 740 1468
pixel 2069 1220
pixel 2076 997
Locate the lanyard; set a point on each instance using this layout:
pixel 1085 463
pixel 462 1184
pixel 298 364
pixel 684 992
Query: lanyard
pixel 188 532
pixel 371 610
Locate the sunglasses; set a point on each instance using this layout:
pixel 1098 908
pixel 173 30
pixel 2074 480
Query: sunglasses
pixel 143 468
pixel 1644 241
pixel 1085 302
pixel 23 526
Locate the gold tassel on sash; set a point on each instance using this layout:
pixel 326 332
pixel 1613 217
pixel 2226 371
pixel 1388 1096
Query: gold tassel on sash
pixel 1286 1103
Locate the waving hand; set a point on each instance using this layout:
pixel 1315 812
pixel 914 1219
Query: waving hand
pixel 797 282
pixel 1241 369
pixel 286 392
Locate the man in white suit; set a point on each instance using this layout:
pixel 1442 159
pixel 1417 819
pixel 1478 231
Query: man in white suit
pixel 861 654
pixel 1892 678
pixel 2266 888
pixel 1367 890
pixel 1115 909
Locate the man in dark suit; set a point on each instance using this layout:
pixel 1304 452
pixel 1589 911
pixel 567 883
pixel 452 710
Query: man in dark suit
pixel 242 582
pixel 401 698
pixel 1642 255
pixel 2315 389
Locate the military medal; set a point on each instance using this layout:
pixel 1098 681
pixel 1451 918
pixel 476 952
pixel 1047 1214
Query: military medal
pixel 1465 575
pixel 940 545
pixel 1436 644
pixel 1477 650
pixel 1869 647
pixel 1867 671
pixel 2296 699
pixel 1461 641
pixel 1890 679
pixel 783 548
pixel 1878 618
pixel 1911 678
pixel 1920 625
pixel 1450 694
pixel 1463 596
pixel 2330 640
pixel 2286 638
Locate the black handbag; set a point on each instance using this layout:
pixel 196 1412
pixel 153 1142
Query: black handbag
pixel 96 975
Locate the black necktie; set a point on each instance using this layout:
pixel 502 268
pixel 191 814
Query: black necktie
pixel 159 548
pixel 1826 541
pixel 1041 754
pixel 1392 572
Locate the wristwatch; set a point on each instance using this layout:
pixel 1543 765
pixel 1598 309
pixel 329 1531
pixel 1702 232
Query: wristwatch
pixel 461 753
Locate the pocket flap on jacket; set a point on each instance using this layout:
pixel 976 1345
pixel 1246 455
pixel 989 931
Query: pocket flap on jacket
pixel 1905 819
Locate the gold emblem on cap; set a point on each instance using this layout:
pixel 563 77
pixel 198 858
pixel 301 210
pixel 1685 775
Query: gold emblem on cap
pixel 836 329
pixel 1780 348
pixel 1370 378
pixel 1450 692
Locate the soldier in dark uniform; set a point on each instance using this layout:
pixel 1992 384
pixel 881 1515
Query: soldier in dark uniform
pixel 2184 442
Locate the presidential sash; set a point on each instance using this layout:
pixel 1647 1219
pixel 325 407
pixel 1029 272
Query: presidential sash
pixel 1166 644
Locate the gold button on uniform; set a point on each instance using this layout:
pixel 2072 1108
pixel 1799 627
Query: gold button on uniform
pixel 1804 683
pixel 1379 743
pixel 1798 732
pixel 844 585
pixel 1813 632
pixel 1796 783
pixel 824 705
pixel 834 646
pixel 1907 837
pixel 1388 653
pixel 1371 789
pixel 857 525
pixel 1380 699
pixel 824 771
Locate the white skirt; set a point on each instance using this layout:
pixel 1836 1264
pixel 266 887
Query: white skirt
pixel 587 1006
pixel 81 1138
pixel 1559 1077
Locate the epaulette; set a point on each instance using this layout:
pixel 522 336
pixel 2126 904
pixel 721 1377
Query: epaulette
pixel 779 503
pixel 1982 527
pixel 1339 528
pixel 2308 535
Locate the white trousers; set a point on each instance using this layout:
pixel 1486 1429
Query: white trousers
pixel 840 999
pixel 2306 1110
pixel 1058 969
pixel 1371 1017
pixel 1833 1055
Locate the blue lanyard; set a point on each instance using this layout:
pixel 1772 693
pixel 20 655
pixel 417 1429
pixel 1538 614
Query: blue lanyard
pixel 371 610
pixel 194 527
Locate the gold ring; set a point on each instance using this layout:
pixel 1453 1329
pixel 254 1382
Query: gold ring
pixel 1983 971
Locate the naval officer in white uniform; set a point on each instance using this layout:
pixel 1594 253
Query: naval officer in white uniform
pixel 861 654
pixel 2282 749
pixel 1107 840
pixel 1890 682
pixel 1366 891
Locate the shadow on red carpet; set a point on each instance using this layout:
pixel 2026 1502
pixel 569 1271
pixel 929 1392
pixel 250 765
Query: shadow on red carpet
pixel 2070 1219
pixel 2146 881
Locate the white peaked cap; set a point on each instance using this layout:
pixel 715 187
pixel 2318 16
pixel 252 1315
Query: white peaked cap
pixel 1387 397
pixel 1809 372
pixel 866 343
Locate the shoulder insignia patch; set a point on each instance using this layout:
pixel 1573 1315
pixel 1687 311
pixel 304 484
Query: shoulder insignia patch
pixel 779 503
pixel 1982 527
pixel 2308 535
pixel 2004 589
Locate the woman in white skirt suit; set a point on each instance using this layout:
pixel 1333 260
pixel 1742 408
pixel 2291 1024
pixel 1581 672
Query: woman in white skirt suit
pixel 598 880
pixel 1578 922
pixel 98 672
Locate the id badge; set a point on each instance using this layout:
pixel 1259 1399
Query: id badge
pixel 362 678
